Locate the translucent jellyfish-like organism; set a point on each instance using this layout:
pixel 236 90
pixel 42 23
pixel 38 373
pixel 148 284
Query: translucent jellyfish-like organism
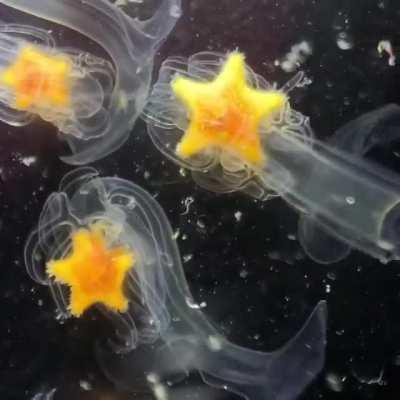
pixel 106 242
pixel 93 102
pixel 212 114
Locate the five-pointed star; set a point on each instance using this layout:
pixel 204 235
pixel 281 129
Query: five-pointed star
pixel 94 272
pixel 226 113
pixel 38 79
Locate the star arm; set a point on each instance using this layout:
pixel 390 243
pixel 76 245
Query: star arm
pixel 192 142
pixel 190 91
pixel 267 103
pixel 62 270
pixel 79 302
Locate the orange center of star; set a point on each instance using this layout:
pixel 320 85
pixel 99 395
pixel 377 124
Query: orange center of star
pixel 94 271
pixel 226 113
pixel 38 79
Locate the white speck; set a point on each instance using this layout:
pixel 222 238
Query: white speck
pixel 182 172
pixel 187 203
pixel 386 46
pixel 85 385
pixel 238 216
pixel 40 302
pixel 45 396
pixel 331 276
pixel 297 55
pixel 214 343
pixel 344 41
pixel 146 175
pixel 187 257
pixel 291 236
pixel 28 161
pixel 200 224
pixel 194 305
pixel 350 200
pixel 244 273
pixel 328 288
pixel 176 234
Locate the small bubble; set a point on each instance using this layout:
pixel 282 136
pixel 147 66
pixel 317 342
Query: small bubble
pixel 238 216
pixel 328 288
pixel 85 385
pixel 244 273
pixel 344 41
pixel 331 276
pixel 350 200
pixel 200 224
pixel 187 258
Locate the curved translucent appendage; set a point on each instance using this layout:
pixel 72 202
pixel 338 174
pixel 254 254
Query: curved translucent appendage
pixel 378 128
pixel 282 374
pixel 163 333
pixel 105 99
pixel 214 169
pixel 347 197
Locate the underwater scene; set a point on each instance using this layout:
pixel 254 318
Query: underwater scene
pixel 199 200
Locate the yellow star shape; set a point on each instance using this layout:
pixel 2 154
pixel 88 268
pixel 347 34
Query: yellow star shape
pixel 94 272
pixel 38 79
pixel 226 113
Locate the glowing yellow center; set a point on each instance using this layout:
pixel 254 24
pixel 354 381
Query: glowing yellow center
pixel 38 79
pixel 226 113
pixel 94 272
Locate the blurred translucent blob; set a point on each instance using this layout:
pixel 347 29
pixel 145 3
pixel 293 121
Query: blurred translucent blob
pixel 162 334
pixel 347 197
pixel 49 395
pixel 93 102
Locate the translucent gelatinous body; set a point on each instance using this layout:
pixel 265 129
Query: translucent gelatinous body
pixel 378 128
pixel 93 102
pixel 162 333
pixel 348 197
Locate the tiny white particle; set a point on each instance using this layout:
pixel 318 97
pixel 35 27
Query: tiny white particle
pixel 238 216
pixel 187 258
pixel 85 385
pixel 244 273
pixel 328 288
pixel 28 161
pixel 344 41
pixel 350 200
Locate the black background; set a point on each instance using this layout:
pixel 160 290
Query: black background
pixel 258 285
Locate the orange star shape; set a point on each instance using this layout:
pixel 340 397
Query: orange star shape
pixel 94 272
pixel 38 79
pixel 226 113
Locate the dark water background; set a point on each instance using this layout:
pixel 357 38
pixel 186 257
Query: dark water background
pixel 258 285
